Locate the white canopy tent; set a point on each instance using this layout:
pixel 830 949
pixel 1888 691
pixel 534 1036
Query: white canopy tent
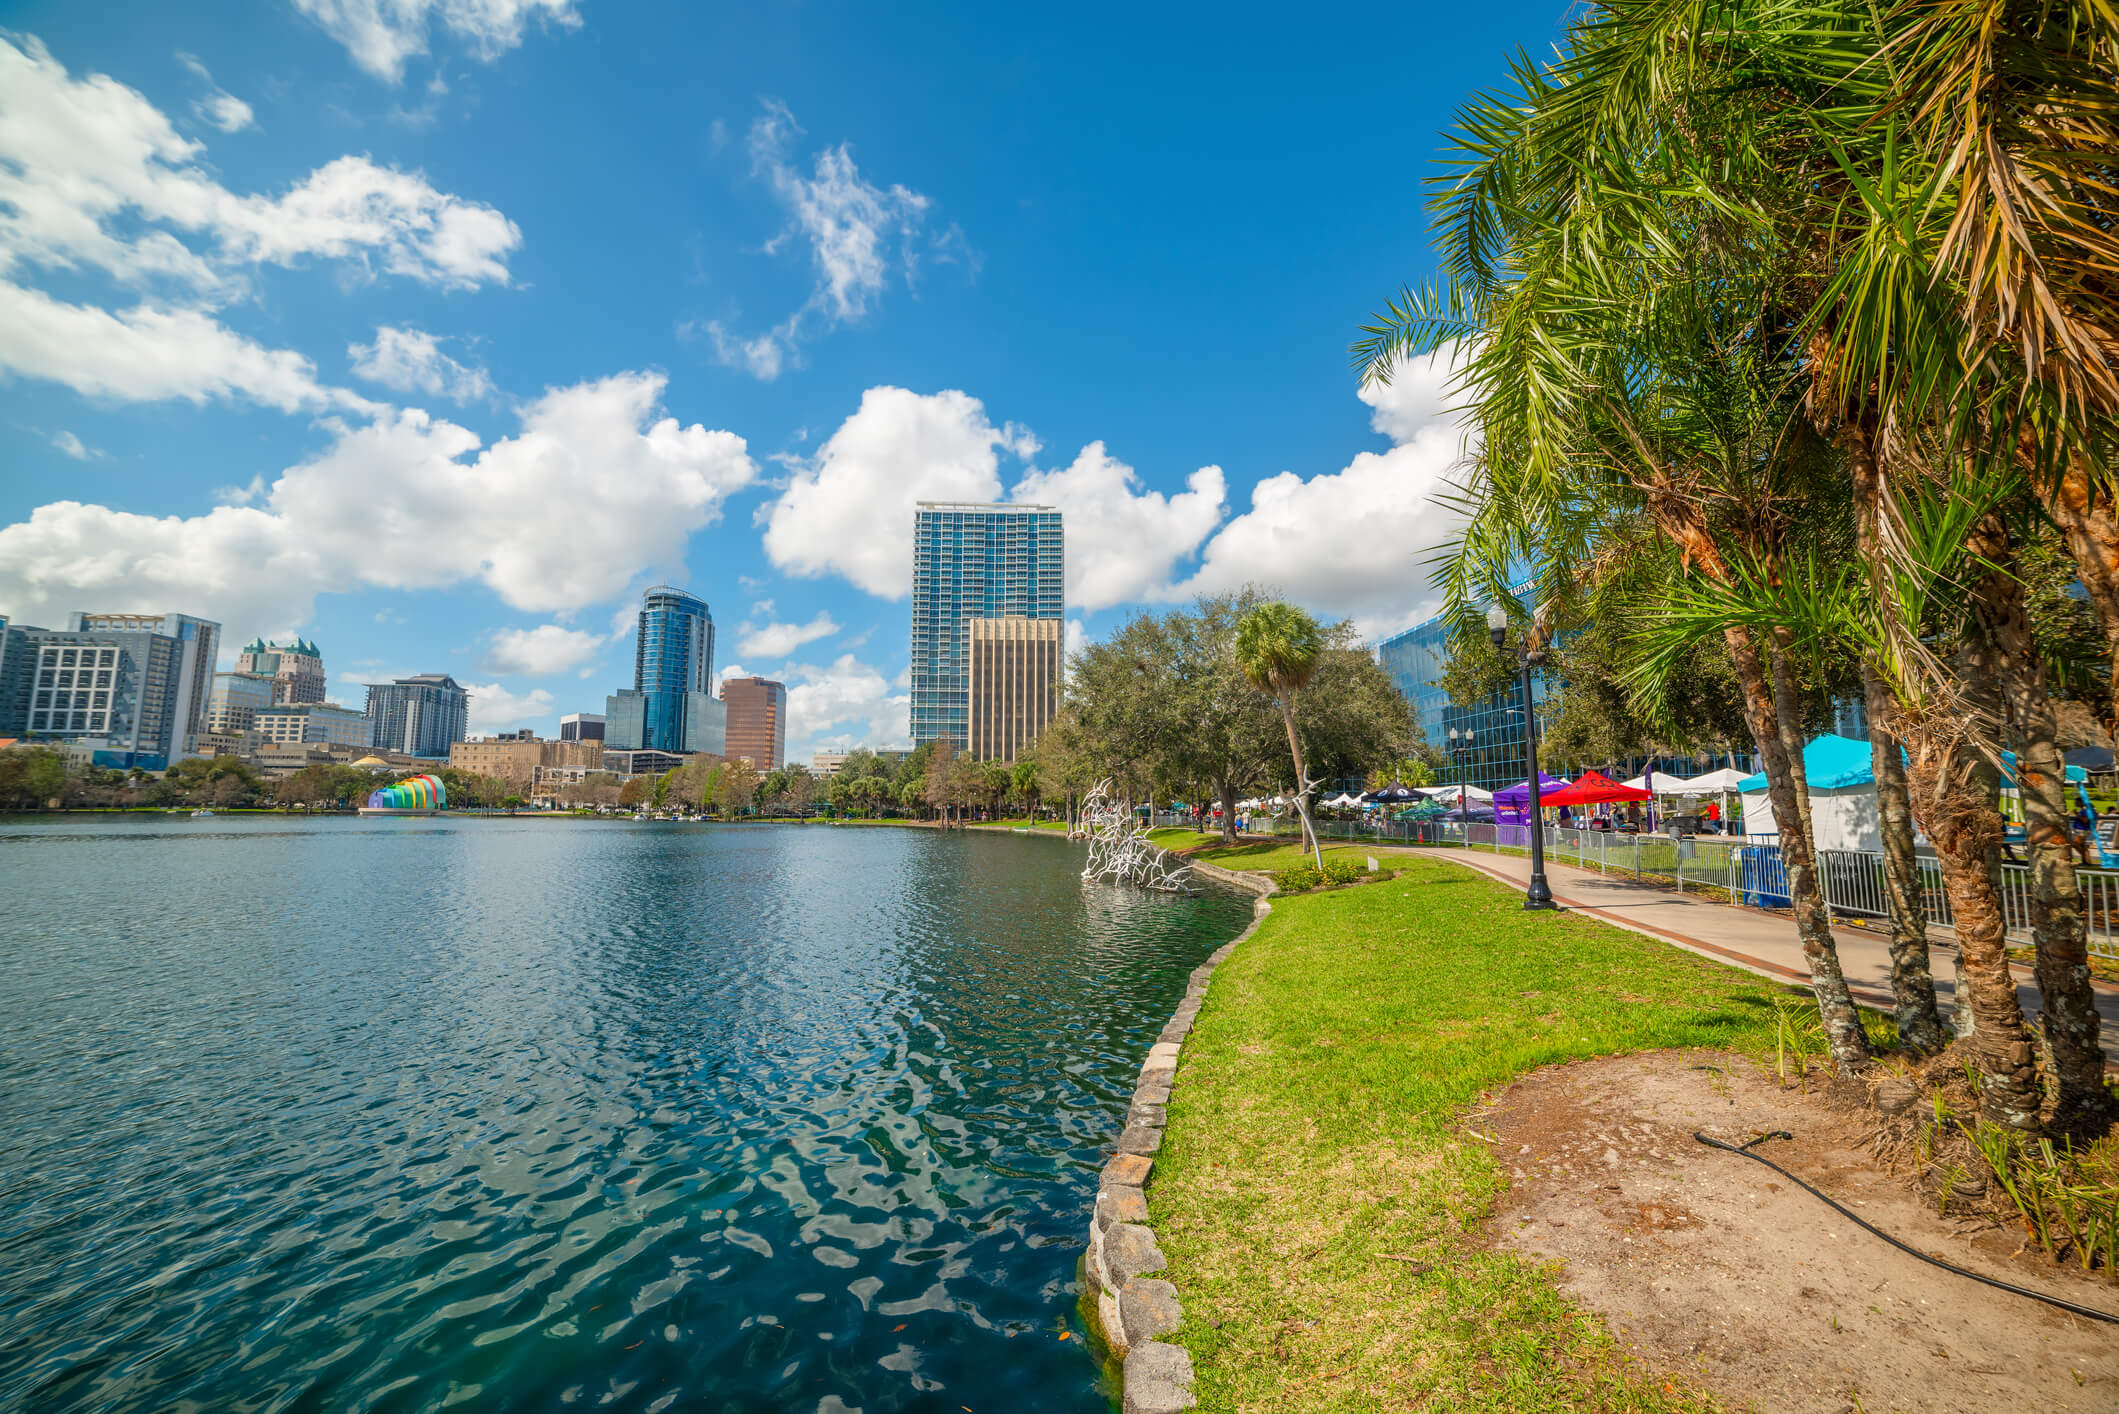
pixel 1727 778
pixel 1666 784
pixel 1449 794
pixel 1342 801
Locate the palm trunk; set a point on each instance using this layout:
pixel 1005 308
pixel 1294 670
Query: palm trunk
pixel 1302 782
pixel 1843 1029
pixel 2092 533
pixel 1953 793
pixel 1912 980
pixel 2059 927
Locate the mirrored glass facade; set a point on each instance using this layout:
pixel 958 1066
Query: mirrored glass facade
pixel 972 561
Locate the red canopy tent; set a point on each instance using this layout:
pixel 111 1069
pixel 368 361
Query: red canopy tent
pixel 1590 788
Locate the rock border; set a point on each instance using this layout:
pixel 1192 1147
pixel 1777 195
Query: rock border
pixel 1134 1308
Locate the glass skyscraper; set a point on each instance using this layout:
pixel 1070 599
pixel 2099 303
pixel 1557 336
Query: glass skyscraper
pixel 672 706
pixel 973 561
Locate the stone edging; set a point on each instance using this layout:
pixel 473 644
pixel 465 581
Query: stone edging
pixel 1132 1307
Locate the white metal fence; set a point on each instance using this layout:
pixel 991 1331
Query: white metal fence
pixel 1746 872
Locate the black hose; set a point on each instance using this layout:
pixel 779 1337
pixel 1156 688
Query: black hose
pixel 1871 1228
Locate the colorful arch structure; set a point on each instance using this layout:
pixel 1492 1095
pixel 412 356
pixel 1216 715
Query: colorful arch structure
pixel 422 795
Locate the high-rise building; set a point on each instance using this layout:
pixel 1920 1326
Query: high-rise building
pixel 1015 684
pixel 296 669
pixel 313 723
pixel 17 672
pixel 671 706
pixel 974 562
pixel 237 698
pixel 757 721
pixel 423 715
pixel 133 688
pixel 827 763
pixel 581 726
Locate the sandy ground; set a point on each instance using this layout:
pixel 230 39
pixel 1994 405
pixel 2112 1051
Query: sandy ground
pixel 1713 1266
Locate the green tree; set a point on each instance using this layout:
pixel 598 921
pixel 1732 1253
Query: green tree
pixel 1278 647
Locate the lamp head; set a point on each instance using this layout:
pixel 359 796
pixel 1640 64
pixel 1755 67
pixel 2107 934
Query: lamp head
pixel 1496 623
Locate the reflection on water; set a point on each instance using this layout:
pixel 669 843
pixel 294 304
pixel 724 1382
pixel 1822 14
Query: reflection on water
pixel 524 1114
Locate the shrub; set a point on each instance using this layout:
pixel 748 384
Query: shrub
pixel 1299 879
pixel 1342 871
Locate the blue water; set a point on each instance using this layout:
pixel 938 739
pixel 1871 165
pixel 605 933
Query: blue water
pixel 492 1114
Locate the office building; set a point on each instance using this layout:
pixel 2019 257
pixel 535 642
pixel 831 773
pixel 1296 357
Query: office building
pixel 517 757
pixel 827 763
pixel 626 764
pixel 296 669
pixel 671 706
pixel 233 706
pixel 312 724
pixel 1015 684
pixel 129 690
pixel 757 721
pixel 17 662
pixel 423 715
pixel 581 726
pixel 974 562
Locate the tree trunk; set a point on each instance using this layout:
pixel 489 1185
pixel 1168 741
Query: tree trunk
pixel 1843 1028
pixel 1912 980
pixel 1302 782
pixel 2092 532
pixel 1227 792
pixel 1953 793
pixel 2067 1017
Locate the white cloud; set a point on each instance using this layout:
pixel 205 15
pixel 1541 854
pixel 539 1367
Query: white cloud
pixel 588 495
pixel 219 108
pixel 92 174
pixel 540 651
pixel 149 353
pixel 733 670
pixel 1076 638
pixel 770 639
pixel 411 361
pixel 1355 542
pixel 846 704
pixel 73 446
pixel 381 35
pixel 848 510
pixel 495 709
pixel 1122 543
pixel 857 234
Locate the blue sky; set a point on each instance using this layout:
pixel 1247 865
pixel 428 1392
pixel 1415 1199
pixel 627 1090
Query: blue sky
pixel 435 329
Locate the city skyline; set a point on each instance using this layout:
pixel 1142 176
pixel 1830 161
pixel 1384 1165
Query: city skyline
pixel 357 342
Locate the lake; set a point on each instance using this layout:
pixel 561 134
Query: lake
pixel 538 1114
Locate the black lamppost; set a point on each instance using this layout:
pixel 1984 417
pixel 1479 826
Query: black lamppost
pixel 1460 750
pixel 1539 895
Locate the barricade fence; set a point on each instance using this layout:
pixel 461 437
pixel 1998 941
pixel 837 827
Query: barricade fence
pixel 1741 871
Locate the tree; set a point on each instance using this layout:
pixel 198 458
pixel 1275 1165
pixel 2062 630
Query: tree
pixel 736 791
pixel 1023 781
pixel 1278 647
pixel 633 791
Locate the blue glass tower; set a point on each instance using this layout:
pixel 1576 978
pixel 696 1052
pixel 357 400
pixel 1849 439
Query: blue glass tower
pixel 970 562
pixel 671 706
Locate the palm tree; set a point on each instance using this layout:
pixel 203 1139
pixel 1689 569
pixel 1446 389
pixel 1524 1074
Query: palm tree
pixel 1277 650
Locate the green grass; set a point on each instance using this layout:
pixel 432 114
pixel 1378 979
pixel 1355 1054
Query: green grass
pixel 1318 1127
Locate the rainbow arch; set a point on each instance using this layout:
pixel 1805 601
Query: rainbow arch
pixel 411 793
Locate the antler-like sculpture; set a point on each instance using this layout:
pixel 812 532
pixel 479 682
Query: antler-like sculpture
pixel 1119 849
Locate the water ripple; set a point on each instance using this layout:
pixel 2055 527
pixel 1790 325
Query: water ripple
pixel 487 1114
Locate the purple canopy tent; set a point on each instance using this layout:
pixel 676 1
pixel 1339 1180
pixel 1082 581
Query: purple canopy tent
pixel 1509 804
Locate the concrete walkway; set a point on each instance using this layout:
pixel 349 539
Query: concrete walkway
pixel 1760 942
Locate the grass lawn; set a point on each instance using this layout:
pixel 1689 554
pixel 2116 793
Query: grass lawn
pixel 1269 855
pixel 1316 1195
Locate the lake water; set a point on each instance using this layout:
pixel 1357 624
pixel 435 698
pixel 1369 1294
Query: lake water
pixel 541 1114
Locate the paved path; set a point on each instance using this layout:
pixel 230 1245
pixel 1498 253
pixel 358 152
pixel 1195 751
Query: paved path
pixel 1756 941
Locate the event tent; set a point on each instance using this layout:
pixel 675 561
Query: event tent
pixel 1518 795
pixel 1449 793
pixel 1342 801
pixel 1714 782
pixel 1593 788
pixel 1662 783
pixel 1842 796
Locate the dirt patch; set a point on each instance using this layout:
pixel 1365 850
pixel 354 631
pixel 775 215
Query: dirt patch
pixel 1715 1267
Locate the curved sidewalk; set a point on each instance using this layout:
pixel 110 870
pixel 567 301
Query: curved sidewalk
pixel 1760 942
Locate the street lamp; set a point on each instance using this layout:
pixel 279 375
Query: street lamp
pixel 1539 895
pixel 1462 754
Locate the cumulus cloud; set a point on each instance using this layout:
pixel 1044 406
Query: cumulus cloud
pixel 219 108
pixel 541 651
pixel 93 175
pixel 1122 542
pixel 412 361
pixel 848 510
pixel 857 235
pixel 381 35
pixel 765 638
pixel 846 704
pixel 1355 542
pixel 150 354
pixel 593 490
pixel 496 709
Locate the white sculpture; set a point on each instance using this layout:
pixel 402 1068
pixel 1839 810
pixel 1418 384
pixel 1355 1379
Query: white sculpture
pixel 1119 849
